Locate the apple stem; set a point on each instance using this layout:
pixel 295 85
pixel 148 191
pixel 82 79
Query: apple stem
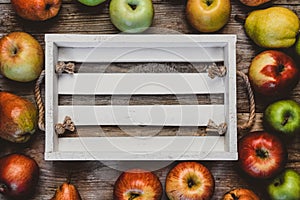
pixel 240 18
pixel 234 197
pixel 133 196
pixel 286 119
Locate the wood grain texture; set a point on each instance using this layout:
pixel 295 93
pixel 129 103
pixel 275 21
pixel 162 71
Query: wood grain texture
pixel 95 180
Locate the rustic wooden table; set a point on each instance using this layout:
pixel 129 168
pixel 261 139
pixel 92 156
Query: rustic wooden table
pixel 95 180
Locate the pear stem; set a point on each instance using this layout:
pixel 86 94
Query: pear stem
pixel 240 18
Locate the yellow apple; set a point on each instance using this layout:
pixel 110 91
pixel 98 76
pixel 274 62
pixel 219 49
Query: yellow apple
pixel 208 15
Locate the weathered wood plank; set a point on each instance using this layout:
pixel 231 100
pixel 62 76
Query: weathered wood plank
pixel 94 179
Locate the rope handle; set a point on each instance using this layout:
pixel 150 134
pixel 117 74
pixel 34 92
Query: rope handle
pixel 212 70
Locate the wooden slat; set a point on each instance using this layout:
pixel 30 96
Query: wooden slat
pixel 142 148
pixel 140 54
pixel 139 83
pixel 154 115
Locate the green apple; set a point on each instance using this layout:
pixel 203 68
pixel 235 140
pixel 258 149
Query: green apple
pixel 285 186
pixel 91 2
pixel 131 16
pixel 283 117
pixel 208 15
pixel 21 57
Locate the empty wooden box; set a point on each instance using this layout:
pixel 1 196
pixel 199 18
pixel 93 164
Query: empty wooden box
pixel 93 50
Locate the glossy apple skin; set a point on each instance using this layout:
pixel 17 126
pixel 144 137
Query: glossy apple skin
pixel 91 2
pixel 128 20
pixel 285 186
pixel 240 194
pixel 19 175
pixel 261 155
pixel 208 18
pixel 253 3
pixel 36 10
pixel 283 117
pixel 137 184
pixel 21 57
pixel 66 191
pixel 190 180
pixel 273 73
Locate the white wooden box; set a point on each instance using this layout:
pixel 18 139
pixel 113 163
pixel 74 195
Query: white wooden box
pixel 145 49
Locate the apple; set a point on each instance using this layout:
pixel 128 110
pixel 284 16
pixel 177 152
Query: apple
pixel 273 73
pixel 19 176
pixel 283 117
pixel 131 16
pixel 36 10
pixel 91 2
pixel 285 186
pixel 254 2
pixel 137 184
pixel 190 180
pixel 261 155
pixel 240 193
pixel 208 15
pixel 21 57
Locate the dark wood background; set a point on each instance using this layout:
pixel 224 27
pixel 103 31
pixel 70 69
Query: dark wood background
pixel 94 179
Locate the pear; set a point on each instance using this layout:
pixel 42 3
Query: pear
pixel 18 117
pixel 298 46
pixel 274 27
pixel 66 191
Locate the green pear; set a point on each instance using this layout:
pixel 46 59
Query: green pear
pixel 18 118
pixel 274 27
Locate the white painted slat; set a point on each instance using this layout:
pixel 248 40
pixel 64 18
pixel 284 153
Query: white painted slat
pixel 142 54
pixel 139 83
pixel 154 115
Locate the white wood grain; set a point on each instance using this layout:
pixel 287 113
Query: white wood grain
pixel 142 148
pixel 141 54
pixel 152 115
pixel 139 83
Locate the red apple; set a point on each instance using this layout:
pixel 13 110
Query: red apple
pixel 137 184
pixel 19 175
pixel 21 57
pixel 240 194
pixel 36 10
pixel 273 73
pixel 261 154
pixel 190 180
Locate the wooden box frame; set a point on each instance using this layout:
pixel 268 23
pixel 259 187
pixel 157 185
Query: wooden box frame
pixel 141 48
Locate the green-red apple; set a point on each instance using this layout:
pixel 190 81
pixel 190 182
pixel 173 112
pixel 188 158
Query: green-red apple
pixel 208 15
pixel 285 186
pixel 273 73
pixel 131 16
pixel 21 57
pixel 283 117
pixel 91 2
